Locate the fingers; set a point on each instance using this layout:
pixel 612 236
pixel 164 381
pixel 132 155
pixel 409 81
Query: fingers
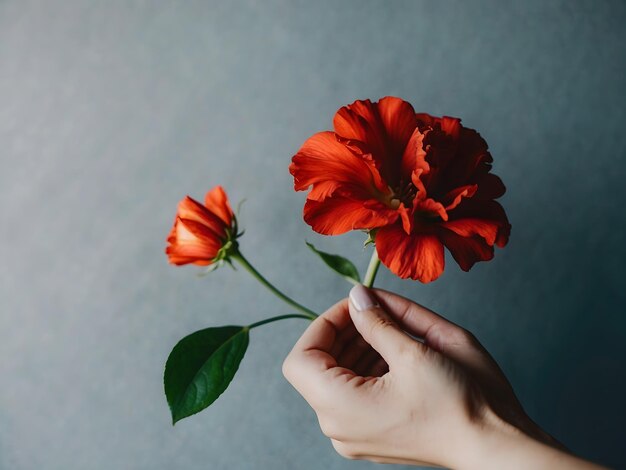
pixel 311 356
pixel 414 318
pixel 376 327
pixel 324 332
pixel 438 333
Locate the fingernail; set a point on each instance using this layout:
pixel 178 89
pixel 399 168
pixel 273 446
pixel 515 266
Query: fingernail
pixel 362 298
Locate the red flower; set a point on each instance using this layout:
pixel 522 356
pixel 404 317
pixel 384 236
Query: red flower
pixel 202 234
pixel 422 182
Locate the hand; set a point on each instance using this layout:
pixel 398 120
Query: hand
pixel 381 394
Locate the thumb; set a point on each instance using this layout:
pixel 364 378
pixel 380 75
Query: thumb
pixel 376 327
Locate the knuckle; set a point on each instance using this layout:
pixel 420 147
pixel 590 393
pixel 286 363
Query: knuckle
pixel 380 323
pixel 287 368
pixel 329 427
pixel 345 450
pixel 466 337
pixel 453 336
pixel 410 352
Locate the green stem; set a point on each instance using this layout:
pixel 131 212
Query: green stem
pixel 372 269
pixel 280 317
pixel 246 264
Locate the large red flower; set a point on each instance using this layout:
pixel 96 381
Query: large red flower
pixel 418 181
pixel 200 232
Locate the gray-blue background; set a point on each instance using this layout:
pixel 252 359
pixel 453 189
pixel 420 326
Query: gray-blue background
pixel 111 111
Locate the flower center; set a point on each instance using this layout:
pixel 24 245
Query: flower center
pixel 403 193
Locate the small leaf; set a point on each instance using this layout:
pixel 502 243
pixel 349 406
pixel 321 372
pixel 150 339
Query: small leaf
pixel 212 267
pixel 339 264
pixel 201 366
pixel 371 235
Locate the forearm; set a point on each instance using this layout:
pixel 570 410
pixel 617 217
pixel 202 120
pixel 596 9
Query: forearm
pixel 498 445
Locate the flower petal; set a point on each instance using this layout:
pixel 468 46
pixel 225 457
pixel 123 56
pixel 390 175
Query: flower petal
pixel 360 121
pixel 414 156
pixel 217 202
pixel 473 159
pixel 490 186
pixel 424 120
pixel 431 208
pixel 398 118
pixel 406 216
pixel 190 209
pixel 484 218
pixel 198 233
pixel 466 251
pixel 454 197
pixel 458 156
pixel 192 241
pixel 449 125
pixel 339 214
pixel 323 189
pixel 384 127
pixel 418 256
pixel 487 229
pixel 179 260
pixel 416 179
pixel 323 158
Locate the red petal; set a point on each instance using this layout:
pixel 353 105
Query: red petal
pixel 198 233
pixel 454 197
pixel 414 155
pixel 179 260
pixel 466 251
pixel 424 120
pixel 406 215
pixel 490 186
pixel 431 208
pixel 451 126
pixel 416 179
pixel 484 218
pixel 322 190
pixel 385 128
pixel 192 242
pixel 217 202
pixel 190 209
pixel 398 118
pixel 323 158
pixel 457 156
pixel 487 229
pixel 338 214
pixel 418 256
pixel 360 121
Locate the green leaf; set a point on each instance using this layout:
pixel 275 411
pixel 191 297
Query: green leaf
pixel 201 366
pixel 339 264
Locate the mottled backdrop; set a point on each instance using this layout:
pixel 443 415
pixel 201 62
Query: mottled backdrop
pixel 111 111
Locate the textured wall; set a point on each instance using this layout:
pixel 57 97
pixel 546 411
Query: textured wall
pixel 111 111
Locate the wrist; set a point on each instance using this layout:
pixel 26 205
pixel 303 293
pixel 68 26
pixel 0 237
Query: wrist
pixel 488 443
pixel 492 443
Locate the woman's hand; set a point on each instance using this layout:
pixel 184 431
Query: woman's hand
pixel 393 382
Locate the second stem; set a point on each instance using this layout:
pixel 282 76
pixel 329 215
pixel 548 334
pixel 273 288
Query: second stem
pixel 257 275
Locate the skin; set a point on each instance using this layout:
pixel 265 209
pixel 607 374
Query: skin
pixel 397 383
